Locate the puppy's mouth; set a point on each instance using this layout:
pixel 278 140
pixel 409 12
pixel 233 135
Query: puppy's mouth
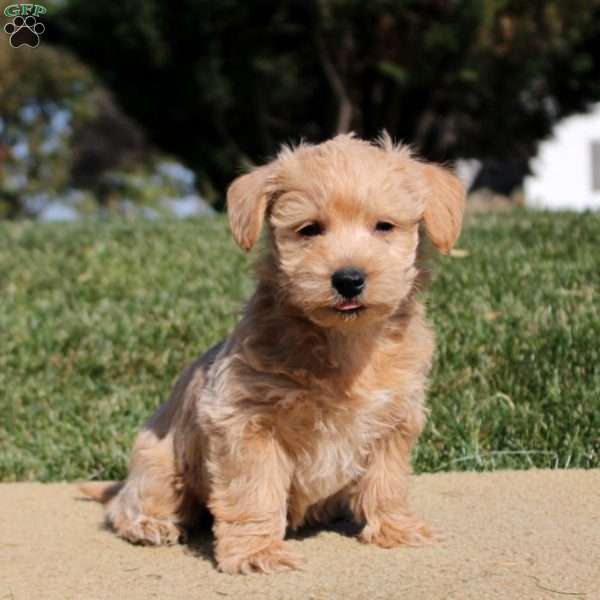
pixel 349 307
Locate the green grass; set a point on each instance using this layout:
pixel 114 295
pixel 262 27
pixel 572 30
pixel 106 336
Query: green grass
pixel 98 319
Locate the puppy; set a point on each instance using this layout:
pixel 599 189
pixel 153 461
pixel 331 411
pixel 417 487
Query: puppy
pixel 313 403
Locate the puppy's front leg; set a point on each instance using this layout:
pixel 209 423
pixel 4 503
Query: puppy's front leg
pixel 248 499
pixel 380 497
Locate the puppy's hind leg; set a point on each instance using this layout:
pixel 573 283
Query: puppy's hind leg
pixel 146 510
pixel 329 510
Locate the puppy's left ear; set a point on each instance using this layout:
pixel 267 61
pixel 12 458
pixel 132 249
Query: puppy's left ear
pixel 440 190
pixel 247 200
pixel 444 206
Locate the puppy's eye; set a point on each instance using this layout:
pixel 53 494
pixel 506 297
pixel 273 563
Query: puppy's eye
pixel 384 226
pixel 311 229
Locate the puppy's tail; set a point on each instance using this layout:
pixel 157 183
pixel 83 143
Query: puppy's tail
pixel 102 491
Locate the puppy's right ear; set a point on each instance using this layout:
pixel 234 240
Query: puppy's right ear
pixel 247 200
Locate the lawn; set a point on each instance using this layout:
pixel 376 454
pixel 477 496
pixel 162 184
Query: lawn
pixel 97 320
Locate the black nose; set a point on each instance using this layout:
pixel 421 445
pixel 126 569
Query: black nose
pixel 349 282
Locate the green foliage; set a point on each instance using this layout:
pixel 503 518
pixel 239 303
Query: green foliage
pixel 61 132
pixel 223 83
pixel 42 95
pixel 98 320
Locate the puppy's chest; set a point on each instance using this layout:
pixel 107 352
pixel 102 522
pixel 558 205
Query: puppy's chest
pixel 332 438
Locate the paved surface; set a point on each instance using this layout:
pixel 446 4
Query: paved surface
pixel 510 535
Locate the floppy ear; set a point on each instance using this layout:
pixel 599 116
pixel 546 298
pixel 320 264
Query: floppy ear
pixel 440 190
pixel 246 205
pixel 444 206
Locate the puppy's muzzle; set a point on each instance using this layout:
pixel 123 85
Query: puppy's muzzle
pixel 349 282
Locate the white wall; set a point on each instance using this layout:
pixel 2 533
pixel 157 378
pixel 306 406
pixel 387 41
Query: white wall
pixel 562 169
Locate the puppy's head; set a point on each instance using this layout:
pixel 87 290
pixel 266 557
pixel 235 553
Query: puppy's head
pixel 344 221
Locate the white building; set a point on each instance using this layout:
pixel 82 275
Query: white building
pixel 566 170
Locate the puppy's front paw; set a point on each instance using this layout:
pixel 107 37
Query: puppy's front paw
pixel 275 557
pixel 405 531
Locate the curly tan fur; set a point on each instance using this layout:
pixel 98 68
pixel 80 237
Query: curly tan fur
pixel 305 409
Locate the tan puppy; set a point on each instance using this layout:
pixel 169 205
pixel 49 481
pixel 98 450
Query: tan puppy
pixel 315 400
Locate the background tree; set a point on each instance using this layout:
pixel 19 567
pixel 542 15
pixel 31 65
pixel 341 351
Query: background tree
pixel 63 137
pixel 42 97
pixel 221 83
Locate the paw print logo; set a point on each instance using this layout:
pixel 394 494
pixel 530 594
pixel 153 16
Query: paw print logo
pixel 25 31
